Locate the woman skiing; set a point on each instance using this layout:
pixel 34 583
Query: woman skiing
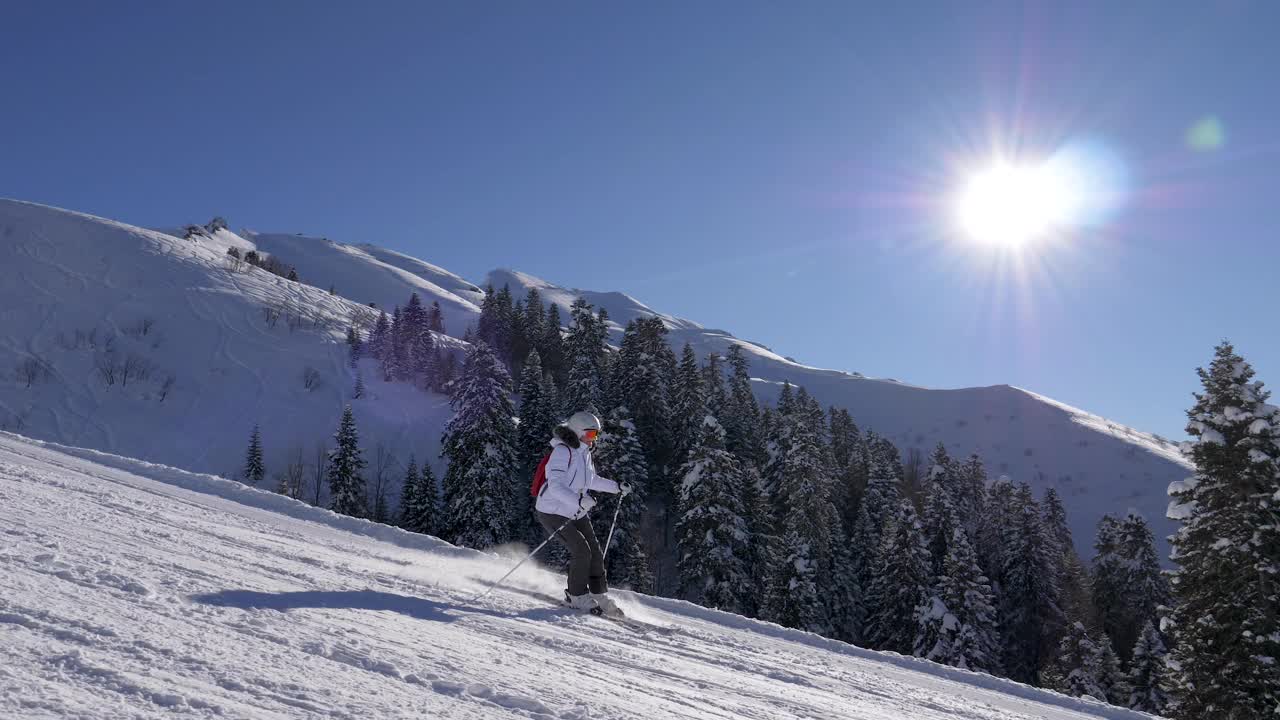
pixel 563 499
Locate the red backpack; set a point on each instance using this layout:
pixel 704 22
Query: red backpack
pixel 540 475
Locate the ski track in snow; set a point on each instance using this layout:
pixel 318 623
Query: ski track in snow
pixel 134 590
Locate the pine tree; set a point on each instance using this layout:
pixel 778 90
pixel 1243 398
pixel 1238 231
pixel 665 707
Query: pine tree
pixel 1148 678
pixel 537 421
pixel 742 419
pixel 254 470
pixel 435 318
pixel 1227 620
pixel 1031 609
pixel 643 375
pixel 711 533
pixel 688 406
pixel 995 521
pixel 1073 579
pixel 380 337
pixel 409 494
pixel 714 394
pixel 763 544
pixel 420 507
pixel 486 501
pixel 1076 669
pixel 899 585
pixel 346 463
pixel 619 456
pixel 359 390
pixel 1147 588
pixel 957 624
pixel 972 495
pixel 355 346
pixel 940 524
pixel 849 464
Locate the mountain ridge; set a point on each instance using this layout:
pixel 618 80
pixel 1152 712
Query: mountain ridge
pixel 1097 465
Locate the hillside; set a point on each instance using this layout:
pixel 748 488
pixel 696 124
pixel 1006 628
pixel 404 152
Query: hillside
pixel 142 591
pixel 65 276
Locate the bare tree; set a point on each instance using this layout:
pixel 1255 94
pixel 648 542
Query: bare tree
pixel 383 462
pixel 317 471
pixel 310 378
pixel 31 369
pixel 140 328
pixel 289 480
pixel 167 386
pixel 135 367
pixel 271 315
pixel 107 365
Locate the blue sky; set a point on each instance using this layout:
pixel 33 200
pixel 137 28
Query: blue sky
pixel 778 170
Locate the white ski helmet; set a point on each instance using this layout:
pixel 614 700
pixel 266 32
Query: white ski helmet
pixel 583 421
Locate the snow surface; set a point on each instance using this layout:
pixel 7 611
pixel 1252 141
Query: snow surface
pixel 62 271
pixel 140 591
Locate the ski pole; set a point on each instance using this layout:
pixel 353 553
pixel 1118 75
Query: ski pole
pixel 525 560
pixel 611 526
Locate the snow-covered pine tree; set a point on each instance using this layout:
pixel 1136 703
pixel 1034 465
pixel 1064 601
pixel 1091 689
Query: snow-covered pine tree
pixel 552 349
pixel 1227 621
pixel 583 390
pixel 254 470
pixel 713 390
pixel 486 500
pixel 957 624
pixel 435 318
pixel 711 533
pixel 415 335
pixel 619 456
pixel 1146 587
pixel 409 493
pixel 688 406
pixel 643 375
pixel 848 464
pixel 1076 669
pixel 761 557
pixel 899 584
pixel 346 463
pixel 1115 685
pixel 355 346
pixel 1073 578
pixel 532 322
pixel 359 390
pixel 864 544
pixel 996 518
pixel 940 521
pixel 971 496
pixel 1031 609
pixel 1148 678
pixel 396 361
pixel 742 416
pixel 380 336
pixel 884 483
pixel 537 421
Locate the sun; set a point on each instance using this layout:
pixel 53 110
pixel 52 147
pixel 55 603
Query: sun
pixel 1009 205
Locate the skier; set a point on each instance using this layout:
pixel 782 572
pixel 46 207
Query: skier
pixel 570 474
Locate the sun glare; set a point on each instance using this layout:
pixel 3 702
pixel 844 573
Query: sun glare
pixel 1010 205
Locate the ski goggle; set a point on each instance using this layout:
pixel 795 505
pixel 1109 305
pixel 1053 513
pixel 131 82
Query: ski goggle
pixel 590 435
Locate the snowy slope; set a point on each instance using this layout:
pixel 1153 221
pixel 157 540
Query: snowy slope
pixel 61 272
pixel 140 591
pixel 71 282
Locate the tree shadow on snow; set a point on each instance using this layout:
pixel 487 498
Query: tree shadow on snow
pixel 416 608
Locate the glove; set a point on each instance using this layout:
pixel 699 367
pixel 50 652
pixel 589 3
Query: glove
pixel 625 488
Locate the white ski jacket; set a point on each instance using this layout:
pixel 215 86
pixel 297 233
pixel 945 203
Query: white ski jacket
pixel 570 474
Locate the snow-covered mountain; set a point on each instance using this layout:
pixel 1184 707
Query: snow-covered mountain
pixel 68 281
pixel 135 590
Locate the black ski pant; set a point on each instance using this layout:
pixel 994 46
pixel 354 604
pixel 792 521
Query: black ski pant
pixel 586 561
